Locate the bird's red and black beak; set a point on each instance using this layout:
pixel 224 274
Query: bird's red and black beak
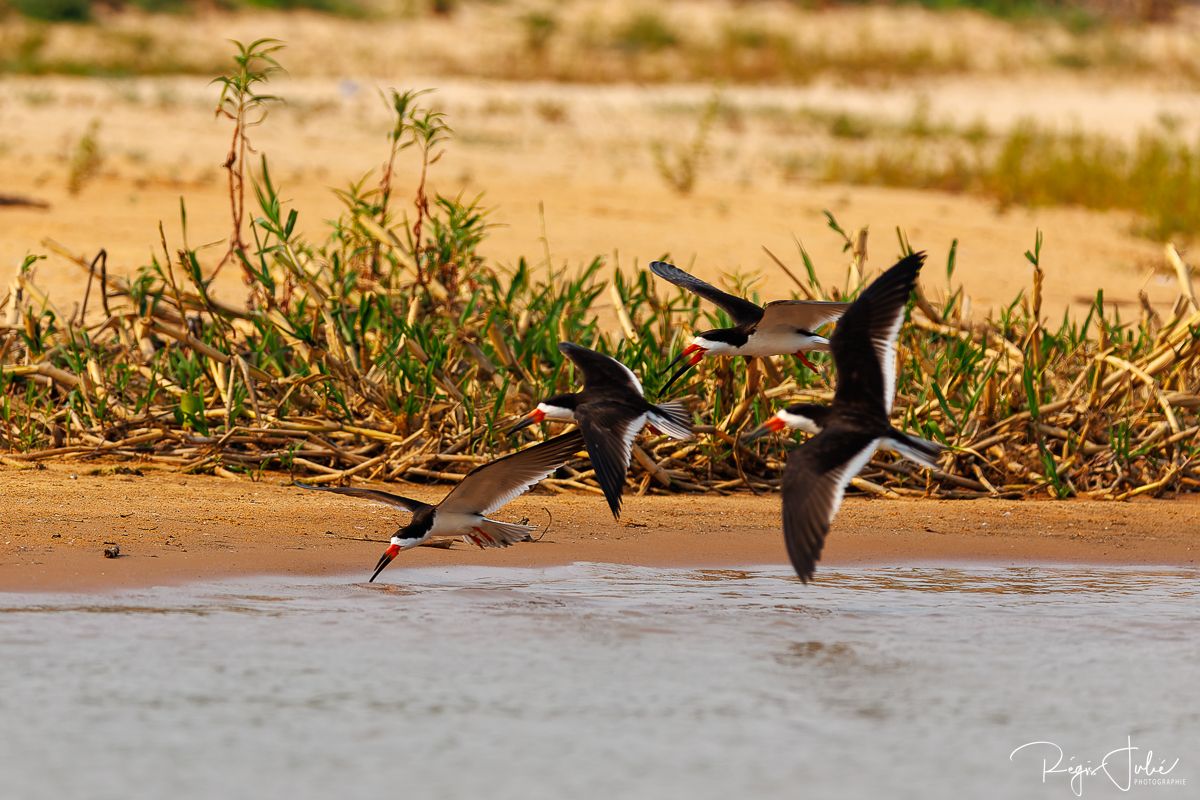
pixel 532 418
pixel 773 425
pixel 690 356
pixel 384 560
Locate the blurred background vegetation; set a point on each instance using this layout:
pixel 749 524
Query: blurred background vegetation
pixel 644 31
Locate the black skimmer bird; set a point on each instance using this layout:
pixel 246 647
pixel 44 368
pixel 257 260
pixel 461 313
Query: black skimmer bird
pixel 781 327
pixel 850 430
pixel 610 411
pixel 481 492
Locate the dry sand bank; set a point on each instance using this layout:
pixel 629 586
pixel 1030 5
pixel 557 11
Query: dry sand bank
pixel 175 528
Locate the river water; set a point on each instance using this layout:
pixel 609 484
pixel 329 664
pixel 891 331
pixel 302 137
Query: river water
pixel 607 681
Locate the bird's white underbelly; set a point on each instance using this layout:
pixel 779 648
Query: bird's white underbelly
pixel 764 344
pixel 452 523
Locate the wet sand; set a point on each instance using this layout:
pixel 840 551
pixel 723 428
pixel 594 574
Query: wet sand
pixel 174 528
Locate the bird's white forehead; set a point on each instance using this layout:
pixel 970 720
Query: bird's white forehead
pixel 797 421
pixel 555 412
pixel 712 346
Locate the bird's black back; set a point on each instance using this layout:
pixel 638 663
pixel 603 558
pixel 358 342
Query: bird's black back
pixel 604 379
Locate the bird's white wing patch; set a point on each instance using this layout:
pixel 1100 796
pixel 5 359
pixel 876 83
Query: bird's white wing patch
pixel 629 434
pixel 844 474
pixel 885 351
pixel 633 379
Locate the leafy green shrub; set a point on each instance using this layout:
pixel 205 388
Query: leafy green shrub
pixel 1157 178
pixel 540 27
pixel 645 31
pixel 55 10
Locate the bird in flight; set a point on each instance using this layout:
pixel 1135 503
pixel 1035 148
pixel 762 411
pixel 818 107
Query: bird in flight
pixel 465 510
pixel 850 430
pixel 781 327
pixel 610 412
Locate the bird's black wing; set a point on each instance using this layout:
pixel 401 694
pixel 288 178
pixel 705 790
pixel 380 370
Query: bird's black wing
pixel 387 498
pixel 609 430
pixel 814 483
pixel 740 310
pixel 864 342
pixel 600 372
pixel 496 483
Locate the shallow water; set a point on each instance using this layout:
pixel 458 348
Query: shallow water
pixel 604 681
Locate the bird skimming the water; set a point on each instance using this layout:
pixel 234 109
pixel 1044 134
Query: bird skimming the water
pixel 782 327
pixel 610 411
pixel 850 430
pixel 482 491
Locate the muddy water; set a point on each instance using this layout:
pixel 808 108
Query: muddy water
pixel 607 681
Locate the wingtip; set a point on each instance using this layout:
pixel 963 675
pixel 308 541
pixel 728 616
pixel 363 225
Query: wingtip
pixel 614 505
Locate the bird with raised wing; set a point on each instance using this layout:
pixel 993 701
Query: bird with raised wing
pixel 781 327
pixel 483 491
pixel 610 411
pixel 856 424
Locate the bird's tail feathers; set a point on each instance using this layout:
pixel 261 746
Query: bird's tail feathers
pixel 503 534
pixel 673 419
pixel 914 448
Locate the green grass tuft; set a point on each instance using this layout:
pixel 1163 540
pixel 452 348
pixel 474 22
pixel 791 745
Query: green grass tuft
pixel 1157 177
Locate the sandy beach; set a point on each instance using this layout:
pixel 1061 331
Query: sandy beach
pixel 178 528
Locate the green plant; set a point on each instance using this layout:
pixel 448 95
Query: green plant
pixel 849 126
pixel 678 163
pixel 55 10
pixel 540 27
pixel 86 159
pixel 242 102
pixel 645 31
pixel 1158 177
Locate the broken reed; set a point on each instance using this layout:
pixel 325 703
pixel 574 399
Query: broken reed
pixel 392 350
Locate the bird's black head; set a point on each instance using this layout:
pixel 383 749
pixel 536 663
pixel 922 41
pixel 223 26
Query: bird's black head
pixel 734 337
pixel 568 400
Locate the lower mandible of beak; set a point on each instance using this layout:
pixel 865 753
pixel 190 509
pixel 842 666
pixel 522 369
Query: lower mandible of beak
pixel 532 418
pixel 384 560
pixel 804 360
pixel 773 425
